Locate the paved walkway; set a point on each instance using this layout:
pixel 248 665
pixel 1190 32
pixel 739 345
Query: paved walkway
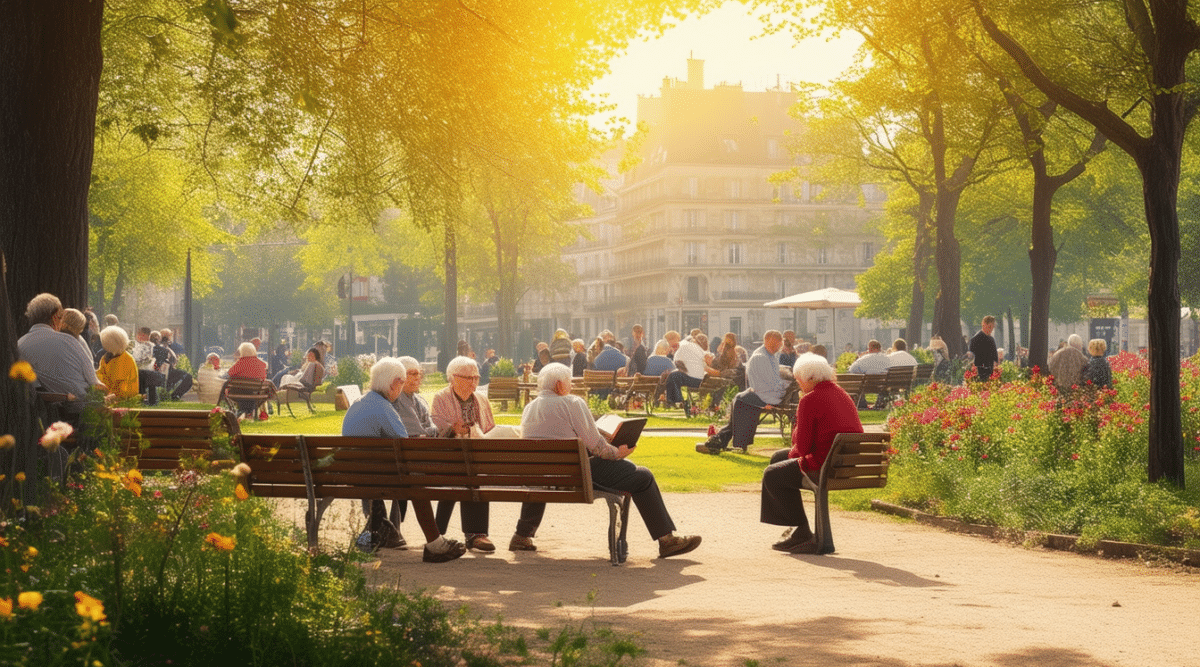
pixel 894 594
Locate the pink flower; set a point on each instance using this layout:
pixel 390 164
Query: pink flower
pixel 54 435
pixel 1074 457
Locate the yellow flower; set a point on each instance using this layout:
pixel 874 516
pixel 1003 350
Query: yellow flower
pixel 3 542
pixel 221 542
pixel 134 487
pixel 32 552
pixel 29 600
pixel 88 606
pixel 21 370
pixel 135 475
pixel 20 476
pixel 6 607
pixel 7 441
pixel 240 492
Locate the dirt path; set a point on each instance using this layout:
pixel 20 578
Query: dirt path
pixel 895 593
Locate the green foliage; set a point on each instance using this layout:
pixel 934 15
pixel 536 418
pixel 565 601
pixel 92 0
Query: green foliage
pixel 845 360
pixel 1014 453
pixel 504 368
pixel 184 364
pixel 598 406
pixel 350 371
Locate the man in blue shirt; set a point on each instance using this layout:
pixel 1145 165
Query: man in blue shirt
pixel 373 416
pixel 766 387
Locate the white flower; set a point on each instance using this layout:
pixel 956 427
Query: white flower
pixel 54 435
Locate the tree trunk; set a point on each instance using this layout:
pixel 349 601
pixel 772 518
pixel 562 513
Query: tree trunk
pixel 948 321
pixel 914 329
pixel 1160 187
pixel 448 345
pixel 1042 258
pixel 50 62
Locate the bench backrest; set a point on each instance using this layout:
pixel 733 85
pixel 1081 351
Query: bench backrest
pixel 276 464
pixel 503 389
pixel 485 469
pixel 852 383
pixel 166 435
pixel 237 388
pixel 923 374
pixel 599 380
pixel 712 384
pixel 900 378
pixel 857 461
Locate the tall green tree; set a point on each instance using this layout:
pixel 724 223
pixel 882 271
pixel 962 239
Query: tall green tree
pixel 1157 38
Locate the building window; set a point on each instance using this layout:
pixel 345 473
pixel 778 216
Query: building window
pixel 822 256
pixel 735 253
pixel 773 148
pixel 694 251
pixel 733 188
pixel 782 256
pixel 693 289
pixel 868 250
pixel 729 144
pixel 693 218
pixel 735 326
pixel 693 187
pixel 733 219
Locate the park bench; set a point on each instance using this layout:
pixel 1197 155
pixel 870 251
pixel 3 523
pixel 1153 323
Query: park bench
pixel 784 414
pixel 874 385
pixel 503 390
pixel 305 391
pixel 322 468
pixel 923 375
pixel 852 384
pixel 712 386
pixel 261 392
pixel 159 439
pixel 855 461
pixel 897 382
pixel 599 383
pixel 645 388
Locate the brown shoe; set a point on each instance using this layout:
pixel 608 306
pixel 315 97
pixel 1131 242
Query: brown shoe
pixel 521 543
pixel 677 545
pixel 480 542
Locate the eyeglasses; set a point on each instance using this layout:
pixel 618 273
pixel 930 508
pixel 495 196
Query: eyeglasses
pixel 417 373
pixel 470 378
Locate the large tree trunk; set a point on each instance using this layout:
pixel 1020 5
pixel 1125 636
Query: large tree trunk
pixel 1160 187
pixel 914 329
pixel 1042 258
pixel 948 321
pixel 50 63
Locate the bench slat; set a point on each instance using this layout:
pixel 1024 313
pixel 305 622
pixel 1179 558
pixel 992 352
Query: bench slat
pixel 856 483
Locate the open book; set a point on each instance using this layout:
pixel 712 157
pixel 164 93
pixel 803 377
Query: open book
pixel 623 430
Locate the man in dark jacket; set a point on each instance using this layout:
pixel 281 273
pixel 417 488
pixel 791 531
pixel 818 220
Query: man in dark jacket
pixel 983 347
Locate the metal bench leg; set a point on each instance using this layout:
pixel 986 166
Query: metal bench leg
pixel 821 521
pixel 618 524
pixel 312 521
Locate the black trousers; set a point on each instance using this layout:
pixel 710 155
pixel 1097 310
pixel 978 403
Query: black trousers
pixel 781 501
pixel 622 475
pixel 474 516
pixel 743 420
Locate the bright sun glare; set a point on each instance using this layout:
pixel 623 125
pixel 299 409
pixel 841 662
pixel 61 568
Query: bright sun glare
pixel 727 40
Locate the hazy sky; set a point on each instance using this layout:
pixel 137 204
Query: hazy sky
pixel 726 41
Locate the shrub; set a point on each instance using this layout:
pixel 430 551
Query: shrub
pixel 845 360
pixel 350 371
pixel 504 368
pixel 1014 453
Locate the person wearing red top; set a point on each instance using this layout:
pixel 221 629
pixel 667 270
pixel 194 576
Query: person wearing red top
pixel 824 410
pixel 250 366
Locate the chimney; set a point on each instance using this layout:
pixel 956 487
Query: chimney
pixel 695 73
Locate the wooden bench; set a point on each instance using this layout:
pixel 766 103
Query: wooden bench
pixel 898 381
pixel 923 375
pixel 159 439
pixel 599 383
pixel 645 388
pixel 875 385
pixel 237 389
pixel 855 461
pixel 852 384
pixel 784 414
pixel 304 391
pixel 712 386
pixel 322 468
pixel 503 390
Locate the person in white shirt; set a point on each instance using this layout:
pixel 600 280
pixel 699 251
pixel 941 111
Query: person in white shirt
pixel 694 359
pixel 901 356
pixel 874 362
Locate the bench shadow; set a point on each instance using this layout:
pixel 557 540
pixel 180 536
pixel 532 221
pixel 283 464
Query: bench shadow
pixel 562 581
pixel 873 572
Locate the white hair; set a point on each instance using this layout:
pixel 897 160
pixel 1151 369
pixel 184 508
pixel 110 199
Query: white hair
pixel 384 373
pixel 551 375
pixel 1075 341
pixel 458 363
pixel 114 340
pixel 812 368
pixel 247 349
pixel 410 364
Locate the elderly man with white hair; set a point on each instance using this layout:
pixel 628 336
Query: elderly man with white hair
pixel 61 363
pixel 1067 364
pixel 373 416
pixel 558 414
pixel 824 410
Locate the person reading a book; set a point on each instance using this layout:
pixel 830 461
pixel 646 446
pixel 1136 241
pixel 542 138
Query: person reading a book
pixel 555 413
pixel 766 388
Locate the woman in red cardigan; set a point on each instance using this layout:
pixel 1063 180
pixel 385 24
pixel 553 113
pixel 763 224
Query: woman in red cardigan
pixel 825 409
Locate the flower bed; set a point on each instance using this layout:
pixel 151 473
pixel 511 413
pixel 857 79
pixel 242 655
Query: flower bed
pixel 1013 452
